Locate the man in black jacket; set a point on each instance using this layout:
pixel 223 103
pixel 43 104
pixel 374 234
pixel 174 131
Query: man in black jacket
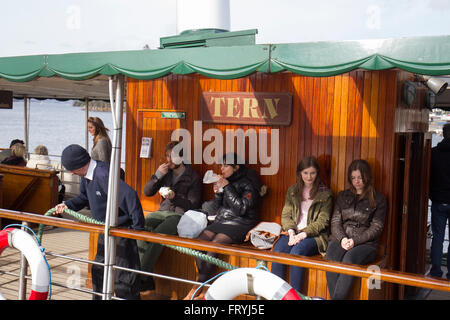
pixel 180 189
pixel 94 191
pixel 440 197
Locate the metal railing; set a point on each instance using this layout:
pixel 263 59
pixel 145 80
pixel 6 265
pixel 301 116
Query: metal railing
pixel 397 277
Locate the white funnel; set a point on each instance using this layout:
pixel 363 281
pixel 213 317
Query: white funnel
pixel 203 14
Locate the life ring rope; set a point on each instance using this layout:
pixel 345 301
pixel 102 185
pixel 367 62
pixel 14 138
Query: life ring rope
pixel 34 253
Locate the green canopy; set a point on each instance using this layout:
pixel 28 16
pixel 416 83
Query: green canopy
pixel 423 55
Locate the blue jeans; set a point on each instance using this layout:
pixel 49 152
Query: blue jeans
pixel 306 247
pixel 440 213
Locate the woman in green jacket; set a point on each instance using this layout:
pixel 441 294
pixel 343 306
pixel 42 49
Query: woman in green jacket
pixel 305 219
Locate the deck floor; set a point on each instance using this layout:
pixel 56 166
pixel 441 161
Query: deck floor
pixel 67 272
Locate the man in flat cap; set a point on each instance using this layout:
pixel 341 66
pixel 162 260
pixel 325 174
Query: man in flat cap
pixel 94 192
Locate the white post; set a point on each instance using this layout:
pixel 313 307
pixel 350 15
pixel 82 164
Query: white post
pixel 26 125
pixel 112 208
pixel 86 116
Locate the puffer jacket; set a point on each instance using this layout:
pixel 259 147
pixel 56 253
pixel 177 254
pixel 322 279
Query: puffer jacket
pixel 239 202
pixel 318 220
pixel 355 219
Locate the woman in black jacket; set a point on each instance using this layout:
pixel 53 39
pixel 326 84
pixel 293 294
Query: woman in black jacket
pixel 237 202
pixel 356 225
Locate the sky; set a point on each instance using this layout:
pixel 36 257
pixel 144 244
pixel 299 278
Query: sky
pixel 66 26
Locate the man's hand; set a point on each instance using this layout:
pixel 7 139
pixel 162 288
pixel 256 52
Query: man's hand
pixel 59 209
pixel 164 168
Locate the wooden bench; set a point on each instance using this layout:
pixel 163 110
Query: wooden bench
pixel 28 190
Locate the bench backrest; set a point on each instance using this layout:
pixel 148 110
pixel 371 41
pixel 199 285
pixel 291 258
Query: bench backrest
pixel 29 190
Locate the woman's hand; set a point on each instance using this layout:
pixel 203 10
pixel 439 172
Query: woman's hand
pixel 296 238
pixel 347 244
pixel 222 182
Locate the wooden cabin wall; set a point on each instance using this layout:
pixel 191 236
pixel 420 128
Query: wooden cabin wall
pixel 337 119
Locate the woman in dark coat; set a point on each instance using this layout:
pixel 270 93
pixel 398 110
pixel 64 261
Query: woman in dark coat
pixel 238 203
pixel 356 225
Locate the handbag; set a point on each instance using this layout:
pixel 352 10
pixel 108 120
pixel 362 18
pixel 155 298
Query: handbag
pixel 191 224
pixel 264 235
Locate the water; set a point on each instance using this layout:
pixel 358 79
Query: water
pixel 52 123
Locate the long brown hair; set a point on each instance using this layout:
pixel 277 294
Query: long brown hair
pixel 366 174
pixel 100 130
pixel 306 163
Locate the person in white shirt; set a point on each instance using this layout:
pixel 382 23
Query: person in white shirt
pixel 39 159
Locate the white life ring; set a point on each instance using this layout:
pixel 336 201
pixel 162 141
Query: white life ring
pixel 21 240
pixel 250 281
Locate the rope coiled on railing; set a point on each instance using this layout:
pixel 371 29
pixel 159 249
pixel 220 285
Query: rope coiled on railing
pixel 189 251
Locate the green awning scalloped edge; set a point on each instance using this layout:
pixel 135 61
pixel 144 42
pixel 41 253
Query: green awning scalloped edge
pixel 423 55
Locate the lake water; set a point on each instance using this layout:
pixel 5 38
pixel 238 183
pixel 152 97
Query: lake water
pixel 52 123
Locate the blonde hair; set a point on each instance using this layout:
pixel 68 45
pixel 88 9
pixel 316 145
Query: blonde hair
pixel 18 150
pixel 100 130
pixel 41 149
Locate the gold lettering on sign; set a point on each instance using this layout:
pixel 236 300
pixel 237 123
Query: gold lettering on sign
pixel 250 105
pixel 271 108
pixel 256 108
pixel 232 107
pixel 216 102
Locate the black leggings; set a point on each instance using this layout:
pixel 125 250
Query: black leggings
pixel 206 269
pixel 340 284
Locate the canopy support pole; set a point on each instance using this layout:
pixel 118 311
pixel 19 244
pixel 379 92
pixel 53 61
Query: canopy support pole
pixel 86 116
pixel 112 208
pixel 26 125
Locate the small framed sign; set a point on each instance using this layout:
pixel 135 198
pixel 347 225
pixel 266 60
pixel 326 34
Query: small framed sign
pixel 146 147
pixel 173 115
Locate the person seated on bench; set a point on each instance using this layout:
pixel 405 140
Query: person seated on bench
pixel 305 219
pixel 17 157
pixel 183 185
pixel 5 153
pixel 210 207
pixel 40 159
pixel 356 225
pixel 238 209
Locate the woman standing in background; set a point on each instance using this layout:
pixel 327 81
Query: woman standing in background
pixel 101 150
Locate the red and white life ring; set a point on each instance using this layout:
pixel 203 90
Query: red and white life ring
pixel 251 281
pixel 21 240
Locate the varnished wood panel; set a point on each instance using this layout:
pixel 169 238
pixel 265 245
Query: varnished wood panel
pixel 337 119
